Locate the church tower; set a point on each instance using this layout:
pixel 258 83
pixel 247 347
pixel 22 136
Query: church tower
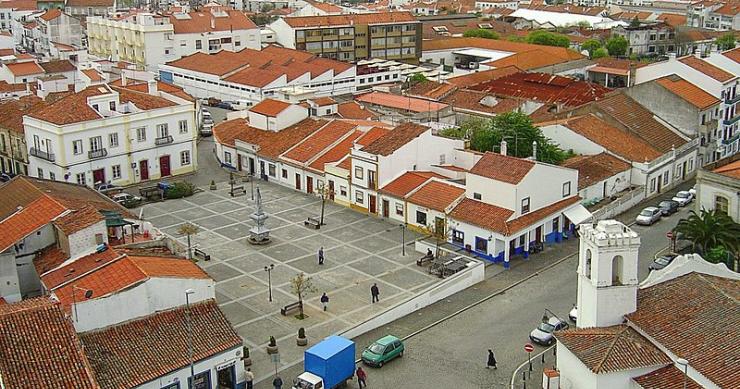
pixel 607 273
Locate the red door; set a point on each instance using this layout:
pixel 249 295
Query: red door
pixel 144 169
pixel 98 176
pixel 309 184
pixel 386 205
pixel 164 166
pixel 331 190
pixel 238 162
pixel 372 204
pixel 298 181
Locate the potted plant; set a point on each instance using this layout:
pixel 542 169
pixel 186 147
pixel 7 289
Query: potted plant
pixel 301 340
pixel 272 347
pixel 213 185
pixel 247 360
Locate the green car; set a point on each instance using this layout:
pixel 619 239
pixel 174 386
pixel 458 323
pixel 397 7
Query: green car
pixel 382 351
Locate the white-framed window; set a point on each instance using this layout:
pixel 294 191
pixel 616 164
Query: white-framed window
pixel 399 209
pixel 81 179
pixel 476 196
pixel 665 177
pixel 185 157
pixel 566 189
pixel 77 147
pixel 421 218
pixel 721 204
pixel 141 134
pixel 162 130
pixel 113 140
pixel 227 157
pixel 271 170
pixel 116 170
pixel 359 172
pixel 40 172
pixel 359 197
pixel 652 185
pixel 183 125
pixel 52 176
pixel 343 191
pixel 525 205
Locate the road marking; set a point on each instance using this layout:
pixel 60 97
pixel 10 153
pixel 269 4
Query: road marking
pixel 516 372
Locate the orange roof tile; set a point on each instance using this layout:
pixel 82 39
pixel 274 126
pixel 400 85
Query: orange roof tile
pixel 51 14
pixel 13 110
pixel 688 91
pixel 353 110
pixel 200 22
pixel 473 101
pixel 169 267
pixel 318 142
pixel 431 89
pixel 326 7
pixel 729 170
pixel 395 139
pixel 527 60
pixel 502 168
pixel 706 68
pixel 369 137
pixel 436 195
pixel 545 87
pixel 400 102
pixel 93 75
pixel 53 275
pixel 58 66
pixel 673 20
pixel 733 54
pixel 24 68
pixel 323 101
pixel 476 78
pixel 482 214
pixel 271 143
pixel 270 107
pixel 336 153
pixel 668 377
pixel 78 220
pixel 29 219
pixel 595 168
pixel 350 19
pixel 407 182
pixel 72 108
pixel 143 87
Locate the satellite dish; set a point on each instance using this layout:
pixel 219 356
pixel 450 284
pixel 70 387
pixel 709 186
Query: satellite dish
pixel 88 294
pixel 585 53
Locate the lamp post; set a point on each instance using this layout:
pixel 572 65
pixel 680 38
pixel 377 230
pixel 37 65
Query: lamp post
pixel 685 364
pixel 268 269
pixel 403 239
pixel 188 292
pixel 251 184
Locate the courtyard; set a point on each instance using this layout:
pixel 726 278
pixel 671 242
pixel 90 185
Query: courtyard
pixel 359 250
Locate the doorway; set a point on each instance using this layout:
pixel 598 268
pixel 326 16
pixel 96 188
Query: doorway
pixel 538 234
pixel 298 181
pixel 251 166
pixel 201 380
pixel 98 176
pixel 309 184
pixel 238 162
pixel 331 190
pixel 386 205
pixel 226 378
pixel 372 204
pixel 164 166
pixel 144 169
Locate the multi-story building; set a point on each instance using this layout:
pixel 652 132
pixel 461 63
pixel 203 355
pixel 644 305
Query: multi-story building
pixel 718 185
pixel 11 10
pixel 714 15
pixel 55 27
pixel 648 39
pixel 352 37
pixel 83 9
pixel 13 149
pixel 149 40
pixel 118 135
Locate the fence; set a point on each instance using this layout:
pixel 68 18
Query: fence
pixel 629 200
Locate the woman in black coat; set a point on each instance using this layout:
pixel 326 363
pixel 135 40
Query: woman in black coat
pixel 491 360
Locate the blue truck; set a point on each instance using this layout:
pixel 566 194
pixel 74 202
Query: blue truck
pixel 328 364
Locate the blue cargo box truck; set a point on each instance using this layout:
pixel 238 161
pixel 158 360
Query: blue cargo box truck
pixel 328 364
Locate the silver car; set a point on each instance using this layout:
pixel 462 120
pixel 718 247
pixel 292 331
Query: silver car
pixel 683 197
pixel 648 216
pixel 542 335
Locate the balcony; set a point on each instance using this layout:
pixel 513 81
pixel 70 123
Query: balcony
pixel 732 139
pixel 42 154
pixel 99 153
pixel 731 121
pixel 163 140
pixel 733 100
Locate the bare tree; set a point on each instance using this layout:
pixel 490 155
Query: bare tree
pixel 324 192
pixel 188 229
pixel 300 285
pixel 439 232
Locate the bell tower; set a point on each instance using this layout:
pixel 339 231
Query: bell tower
pixel 607 273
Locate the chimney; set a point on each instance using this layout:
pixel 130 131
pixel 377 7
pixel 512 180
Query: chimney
pixel 503 147
pixel 124 79
pixel 534 150
pixel 152 87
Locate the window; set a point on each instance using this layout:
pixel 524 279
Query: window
pixel 175 385
pixel 183 125
pixel 652 185
pixel 77 147
pixel 96 143
pixel 162 130
pixel 113 140
pixel 96 108
pixel 481 244
pixel 141 134
pixel 525 205
pixel 227 157
pixel 40 173
pixel 285 174
pixel 198 44
pixel 665 178
pixel 421 218
pixel 343 191
pixel 359 197
pixel 477 196
pixel 458 237
pixel 185 158
pixel 721 204
pixel 116 169
pixel 271 170
pixel 359 173
pixel 399 209
pixel 81 178
pixel 566 189
pixel 52 176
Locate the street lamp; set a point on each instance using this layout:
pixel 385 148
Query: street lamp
pixel 188 292
pixel 403 239
pixel 268 269
pixel 685 364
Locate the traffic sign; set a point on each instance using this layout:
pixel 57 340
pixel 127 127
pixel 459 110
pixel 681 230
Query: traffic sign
pixel 669 234
pixel 528 347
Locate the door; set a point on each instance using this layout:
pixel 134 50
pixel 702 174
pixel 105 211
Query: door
pixel 226 378
pixel 251 165
pixel 309 184
pixel 683 171
pixel 604 190
pixel 298 181
pixel 372 204
pixel 98 176
pixel 512 247
pixel 144 169
pixel 238 162
pixel 164 166
pixel 538 234
pixel 386 205
pixel 331 190
pixel 439 227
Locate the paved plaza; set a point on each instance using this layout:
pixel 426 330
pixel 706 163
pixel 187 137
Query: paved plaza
pixel 359 250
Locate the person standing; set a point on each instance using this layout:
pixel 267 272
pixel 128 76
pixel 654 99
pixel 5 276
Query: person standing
pixel 324 300
pixel 321 255
pixel 375 292
pixel 250 378
pixel 277 382
pixel 361 377
pixel 491 360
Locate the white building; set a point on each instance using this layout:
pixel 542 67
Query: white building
pixel 105 134
pixel 12 12
pixel 492 4
pixel 714 15
pixel 149 40
pixel 55 26
pixel 718 188
pixel 549 19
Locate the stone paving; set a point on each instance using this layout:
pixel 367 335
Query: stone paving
pixel 359 250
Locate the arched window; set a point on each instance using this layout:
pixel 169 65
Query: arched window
pixel 617 266
pixel 721 204
pixel 587 264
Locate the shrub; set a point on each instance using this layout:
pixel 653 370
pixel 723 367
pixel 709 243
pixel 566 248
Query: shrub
pixel 301 333
pixel 179 190
pixel 273 342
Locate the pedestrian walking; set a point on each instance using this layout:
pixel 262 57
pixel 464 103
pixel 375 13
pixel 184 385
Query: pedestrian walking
pixel 375 292
pixel 361 377
pixel 491 360
pixel 277 382
pixel 250 378
pixel 321 255
pixel 324 300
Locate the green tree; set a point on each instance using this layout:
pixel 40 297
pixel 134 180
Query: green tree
pixel 600 53
pixel 548 39
pixel 481 33
pixel 708 230
pixel 617 46
pixel 417 78
pixel 591 45
pixel 635 22
pixel 516 38
pixel 726 41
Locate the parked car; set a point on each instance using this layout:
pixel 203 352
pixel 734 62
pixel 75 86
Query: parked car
pixel 5 177
pixel 668 207
pixel 207 128
pixel 383 351
pixel 648 216
pixel 662 261
pixel 127 200
pixel 106 188
pixel 683 197
pixel 542 335
pixel 573 314
pixel 206 115
pixel 225 105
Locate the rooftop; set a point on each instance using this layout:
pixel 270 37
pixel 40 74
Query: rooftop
pixel 706 68
pixel 733 54
pixel 395 139
pixel 730 170
pixel 353 110
pixel 668 377
pixel 400 102
pixel 480 102
pixel 436 195
pixel 563 54
pixel 407 182
pixel 271 143
pixel 58 66
pixel 78 220
pixel 318 142
pixel 270 107
pixel 12 111
pixel 595 168
pixel 349 19
pixel 24 68
pixel 200 22
pixel 28 219
pixel 502 168
pixel 471 79
pixel 49 263
pixel 431 89
pixel 688 92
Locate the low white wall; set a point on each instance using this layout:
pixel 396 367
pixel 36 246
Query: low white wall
pixel 620 205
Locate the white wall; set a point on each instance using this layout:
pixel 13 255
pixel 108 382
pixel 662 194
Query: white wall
pixel 498 193
pixel 544 186
pixel 568 139
pixel 212 364
pixel 9 284
pixel 83 242
pixel 614 185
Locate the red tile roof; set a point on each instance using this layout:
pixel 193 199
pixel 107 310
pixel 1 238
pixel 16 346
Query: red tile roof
pixel 168 267
pixel 350 19
pixel 323 101
pixel 436 195
pixel 546 88
pixel 395 139
pixel 431 89
pixel 271 143
pixel 270 107
pixel 40 349
pixel 326 7
pixel 673 20
pixel 688 91
pixel 319 141
pixel 595 168
pixel 668 377
pixel 612 349
pixel 200 22
pixel 51 14
pixel 48 262
pixel 29 219
pixel 733 54
pixel 142 100
pixel 353 110
pixel 143 87
pixel 93 75
pixel 78 220
pixel 502 168
pixel 72 108
pixel 405 103
pixel 139 351
pixel 561 53
pixel 13 110
pixel 407 182
pixel 708 69
pixel 24 68
pixel 21 5
pixel 470 100
pixel 516 225
pixel 694 316
pixel 471 79
pixel 336 153
pixel 58 66
pixel 729 170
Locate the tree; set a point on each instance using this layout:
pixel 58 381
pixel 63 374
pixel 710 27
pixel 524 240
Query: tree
pixel 267 7
pixel 481 33
pixel 548 39
pixel 591 45
pixel 726 41
pixel 600 53
pixel 188 229
pixel 635 22
pixel 324 192
pixel 300 285
pixel 516 38
pixel 708 230
pixel 417 78
pixel 617 46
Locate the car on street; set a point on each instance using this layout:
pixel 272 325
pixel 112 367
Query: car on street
pixel 542 335
pixel 683 198
pixel 207 128
pixel 127 200
pixel 668 207
pixel 383 351
pixel 648 216
pixel 573 314
pixel 662 261
pixel 106 188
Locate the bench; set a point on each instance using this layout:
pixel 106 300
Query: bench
pixel 290 307
pixel 148 192
pixel 237 190
pixel 201 254
pixel 313 222
pixel 425 258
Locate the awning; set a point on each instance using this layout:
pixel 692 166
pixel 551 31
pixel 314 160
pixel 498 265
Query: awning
pixel 608 70
pixel 577 214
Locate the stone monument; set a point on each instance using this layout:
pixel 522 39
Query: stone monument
pixel 260 233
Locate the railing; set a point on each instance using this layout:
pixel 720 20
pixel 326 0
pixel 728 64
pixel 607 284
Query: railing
pixel 163 140
pixel 732 139
pixel 99 153
pixel 658 161
pixel 619 205
pixel 733 100
pixel 731 121
pixel 42 154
